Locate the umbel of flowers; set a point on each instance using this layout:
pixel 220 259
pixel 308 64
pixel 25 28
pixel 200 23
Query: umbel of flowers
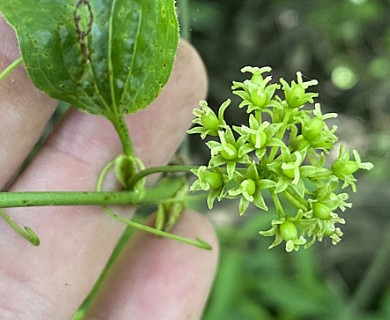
pixel 281 150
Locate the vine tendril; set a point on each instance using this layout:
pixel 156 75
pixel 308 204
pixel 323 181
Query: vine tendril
pixel 11 67
pixel 197 242
pixel 26 233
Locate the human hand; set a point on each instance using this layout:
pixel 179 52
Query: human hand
pixel 153 278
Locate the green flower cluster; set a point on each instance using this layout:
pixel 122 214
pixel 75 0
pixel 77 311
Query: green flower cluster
pixel 281 151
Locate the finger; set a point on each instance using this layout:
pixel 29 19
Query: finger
pixel 76 241
pixel 157 278
pixel 23 116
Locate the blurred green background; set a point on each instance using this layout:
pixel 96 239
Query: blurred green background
pixel 345 45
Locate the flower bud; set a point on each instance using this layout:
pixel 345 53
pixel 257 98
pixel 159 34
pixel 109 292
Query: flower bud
pixel 321 211
pixel 341 167
pixel 258 98
pixel 312 129
pixel 289 169
pixel 258 139
pixel 295 96
pixel 248 186
pixel 213 179
pixel 288 230
pixel 329 228
pixel 299 143
pixel 210 121
pixel 229 152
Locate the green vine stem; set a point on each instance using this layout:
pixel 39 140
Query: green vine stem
pixel 65 198
pixel 11 67
pixel 61 198
pixel 75 198
pixel 26 233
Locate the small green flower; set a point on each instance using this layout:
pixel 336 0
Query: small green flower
pixel 316 131
pixel 287 166
pixel 326 194
pixel 343 167
pixel 313 128
pixel 226 151
pixel 284 114
pixel 296 95
pixel 259 136
pixel 338 201
pixel 209 123
pixel 284 230
pixel 250 188
pixel 256 93
pixel 246 189
pixel 319 228
pixel 321 211
pixel 332 232
pixel 210 179
pixel 291 168
pixel 297 142
pixel 316 170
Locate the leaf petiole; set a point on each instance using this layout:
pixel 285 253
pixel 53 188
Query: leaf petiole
pixel 120 125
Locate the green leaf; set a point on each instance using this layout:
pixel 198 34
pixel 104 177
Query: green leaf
pixel 103 56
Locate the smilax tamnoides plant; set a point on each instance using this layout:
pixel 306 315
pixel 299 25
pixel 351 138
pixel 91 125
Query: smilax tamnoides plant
pixel 110 58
